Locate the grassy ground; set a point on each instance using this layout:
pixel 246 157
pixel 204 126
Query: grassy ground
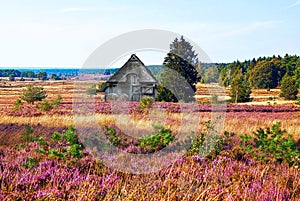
pixel 232 174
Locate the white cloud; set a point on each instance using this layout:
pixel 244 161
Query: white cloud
pixel 297 3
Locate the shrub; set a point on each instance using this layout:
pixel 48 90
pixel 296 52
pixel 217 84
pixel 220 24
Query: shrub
pixel 45 105
pixel 29 163
pixel 160 139
pixel 145 104
pixel 33 93
pixel 208 142
pixel 270 145
pixel 69 138
pixel 92 90
pixel 112 136
pixel 18 104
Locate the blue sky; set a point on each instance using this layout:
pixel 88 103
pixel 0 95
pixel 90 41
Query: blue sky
pixel 63 33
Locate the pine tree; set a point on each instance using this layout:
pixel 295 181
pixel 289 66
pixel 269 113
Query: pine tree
pixel 180 75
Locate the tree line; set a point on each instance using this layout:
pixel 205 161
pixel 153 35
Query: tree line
pixel 261 73
pixel 181 66
pixel 12 74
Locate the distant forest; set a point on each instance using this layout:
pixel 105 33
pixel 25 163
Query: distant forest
pixel 263 72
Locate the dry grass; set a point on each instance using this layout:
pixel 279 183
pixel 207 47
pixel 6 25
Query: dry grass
pixel 235 122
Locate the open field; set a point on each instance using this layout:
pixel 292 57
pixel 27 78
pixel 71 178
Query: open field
pixel 239 119
pixel 46 168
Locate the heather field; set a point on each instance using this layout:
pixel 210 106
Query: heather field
pixel 42 156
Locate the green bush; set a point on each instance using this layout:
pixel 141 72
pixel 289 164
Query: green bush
pixel 92 90
pixel 56 136
pixel 33 93
pixel 145 104
pixel 45 106
pixel 67 145
pixel 160 139
pixel 18 104
pixel 270 145
pixel 112 136
pixel 29 163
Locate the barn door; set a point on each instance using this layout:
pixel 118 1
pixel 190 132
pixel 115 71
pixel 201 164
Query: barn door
pixel 135 89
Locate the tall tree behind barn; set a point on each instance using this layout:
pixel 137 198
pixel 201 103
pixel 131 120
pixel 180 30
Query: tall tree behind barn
pixel 132 82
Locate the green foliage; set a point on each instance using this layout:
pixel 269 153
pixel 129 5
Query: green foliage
pixel 41 141
pixel 100 85
pixel 45 105
pixel 18 104
pixel 92 90
pixel 297 102
pixel 112 136
pixel 159 139
pixel 209 142
pixel 33 93
pixel 75 150
pixel 56 153
pixel 240 90
pixel 70 136
pixel 73 147
pixel 211 75
pixel 288 88
pixel 27 134
pixel 8 72
pixel 263 75
pixel 42 76
pixel 145 104
pixel 264 72
pixel 165 95
pixel 56 136
pixel 179 72
pixel 270 145
pixel 54 76
pixel 29 163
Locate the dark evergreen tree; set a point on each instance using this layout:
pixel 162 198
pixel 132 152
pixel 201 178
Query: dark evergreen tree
pixel 180 76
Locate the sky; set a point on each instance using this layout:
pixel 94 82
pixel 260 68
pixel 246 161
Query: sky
pixel 63 33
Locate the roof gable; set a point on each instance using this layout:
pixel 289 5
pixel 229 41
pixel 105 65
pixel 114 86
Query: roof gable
pixel 136 66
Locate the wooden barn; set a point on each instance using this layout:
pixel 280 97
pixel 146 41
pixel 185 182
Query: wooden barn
pixel 132 82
